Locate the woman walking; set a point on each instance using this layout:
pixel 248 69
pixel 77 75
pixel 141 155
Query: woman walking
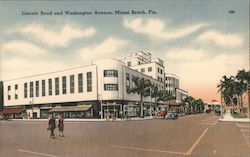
pixel 52 126
pixel 60 126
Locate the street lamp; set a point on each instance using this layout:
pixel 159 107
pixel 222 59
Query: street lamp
pixel 100 101
pixel 221 106
pixel 150 102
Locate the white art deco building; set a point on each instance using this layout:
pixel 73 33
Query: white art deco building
pixel 90 91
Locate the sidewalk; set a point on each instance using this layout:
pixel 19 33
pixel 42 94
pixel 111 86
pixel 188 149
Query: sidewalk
pixel 228 118
pixel 87 120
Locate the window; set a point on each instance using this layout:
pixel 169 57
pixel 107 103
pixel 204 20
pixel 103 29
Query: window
pixel 129 64
pixel 111 87
pixel 149 69
pixel 142 70
pixel 9 96
pixel 161 71
pixel 64 85
pixel 72 84
pixel 43 87
pixel 25 90
pixel 80 83
pixel 31 89
pixel 128 81
pixel 139 63
pixel 158 70
pixel 133 81
pixel 89 81
pixel 50 86
pixel 16 91
pixel 57 86
pixel 110 73
pixel 37 88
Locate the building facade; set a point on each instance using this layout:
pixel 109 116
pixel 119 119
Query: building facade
pixel 172 83
pixel 179 96
pixel 92 91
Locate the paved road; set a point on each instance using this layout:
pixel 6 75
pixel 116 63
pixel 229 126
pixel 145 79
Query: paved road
pixel 200 135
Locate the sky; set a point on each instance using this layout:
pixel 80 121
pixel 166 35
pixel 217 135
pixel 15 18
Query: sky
pixel 199 40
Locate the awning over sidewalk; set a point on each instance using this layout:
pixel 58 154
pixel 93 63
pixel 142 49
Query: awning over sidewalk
pixel 71 108
pixel 11 111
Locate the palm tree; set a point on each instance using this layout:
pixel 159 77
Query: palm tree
pixel 244 82
pixel 141 87
pixel 164 96
pixel 191 102
pixel 227 89
pixel 200 105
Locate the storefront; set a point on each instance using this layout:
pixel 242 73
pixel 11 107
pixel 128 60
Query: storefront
pixel 82 111
pixel 12 113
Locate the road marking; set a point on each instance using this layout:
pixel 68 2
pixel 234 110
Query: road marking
pixel 37 153
pixel 189 152
pixel 207 123
pixel 148 150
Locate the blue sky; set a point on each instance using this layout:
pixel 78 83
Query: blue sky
pixel 199 40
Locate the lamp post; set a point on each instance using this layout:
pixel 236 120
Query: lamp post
pixel 150 102
pixel 100 101
pixel 221 106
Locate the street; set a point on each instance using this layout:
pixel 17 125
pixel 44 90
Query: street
pixel 200 135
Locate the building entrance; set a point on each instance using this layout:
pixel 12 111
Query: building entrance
pixel 110 114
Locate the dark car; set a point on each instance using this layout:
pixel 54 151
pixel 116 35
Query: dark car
pixel 161 114
pixel 217 112
pixel 208 110
pixel 171 115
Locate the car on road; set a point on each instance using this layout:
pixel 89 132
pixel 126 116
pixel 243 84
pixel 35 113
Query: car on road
pixel 161 114
pixel 217 112
pixel 171 115
pixel 208 110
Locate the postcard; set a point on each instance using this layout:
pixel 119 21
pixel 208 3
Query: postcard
pixel 124 78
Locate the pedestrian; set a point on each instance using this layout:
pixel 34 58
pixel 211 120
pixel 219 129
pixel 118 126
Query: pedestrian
pixel 52 126
pixel 61 126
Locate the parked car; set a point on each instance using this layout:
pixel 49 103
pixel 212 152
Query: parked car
pixel 217 112
pixel 208 110
pixel 161 114
pixel 181 114
pixel 171 115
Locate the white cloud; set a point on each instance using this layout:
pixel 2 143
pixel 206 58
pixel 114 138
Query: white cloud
pixel 156 28
pixel 220 39
pixel 20 67
pixel 21 47
pixel 185 54
pixel 60 38
pixel 105 49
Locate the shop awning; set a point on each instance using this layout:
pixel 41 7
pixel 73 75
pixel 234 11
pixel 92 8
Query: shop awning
pixel 71 108
pixel 11 111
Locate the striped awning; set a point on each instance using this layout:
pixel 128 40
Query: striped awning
pixel 71 108
pixel 11 111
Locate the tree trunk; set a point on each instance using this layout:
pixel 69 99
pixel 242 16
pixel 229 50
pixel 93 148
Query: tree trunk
pixel 142 114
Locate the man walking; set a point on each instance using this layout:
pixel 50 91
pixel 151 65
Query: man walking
pixel 52 126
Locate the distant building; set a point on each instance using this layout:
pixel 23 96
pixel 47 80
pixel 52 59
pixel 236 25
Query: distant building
pixel 143 63
pixel 173 88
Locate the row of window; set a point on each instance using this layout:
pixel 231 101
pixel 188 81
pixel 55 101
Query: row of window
pixel 128 85
pixel 57 85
